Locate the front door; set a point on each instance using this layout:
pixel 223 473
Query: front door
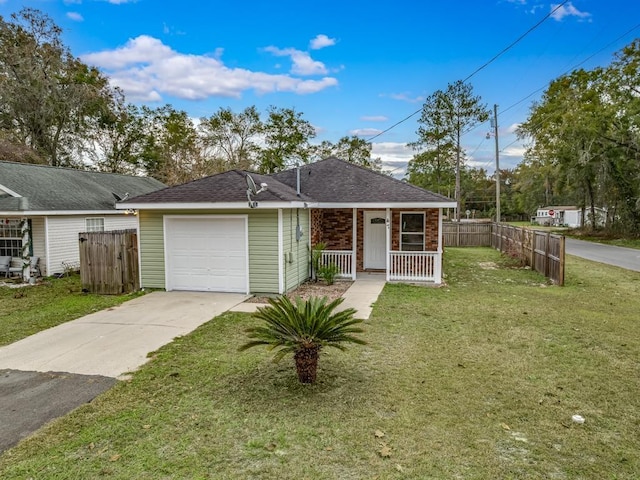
pixel 375 240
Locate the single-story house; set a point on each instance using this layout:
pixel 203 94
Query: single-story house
pixel 44 208
pixel 223 233
pixel 568 216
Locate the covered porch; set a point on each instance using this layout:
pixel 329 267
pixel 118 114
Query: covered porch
pixel 404 243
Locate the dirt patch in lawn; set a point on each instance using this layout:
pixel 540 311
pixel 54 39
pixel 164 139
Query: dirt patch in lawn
pixel 313 289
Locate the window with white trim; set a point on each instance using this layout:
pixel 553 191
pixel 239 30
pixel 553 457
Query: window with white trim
pixel 95 224
pixel 412 232
pixel 11 238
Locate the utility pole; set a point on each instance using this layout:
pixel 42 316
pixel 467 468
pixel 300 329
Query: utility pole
pixel 495 134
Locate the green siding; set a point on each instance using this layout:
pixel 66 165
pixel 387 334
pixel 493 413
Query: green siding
pixel 296 253
pixel 263 251
pixel 151 238
pixel 263 246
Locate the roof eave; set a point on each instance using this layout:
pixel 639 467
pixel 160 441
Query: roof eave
pixel 208 205
pixel 27 213
pixel 385 205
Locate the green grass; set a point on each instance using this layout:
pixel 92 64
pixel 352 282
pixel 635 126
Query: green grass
pixel 475 380
pixel 30 309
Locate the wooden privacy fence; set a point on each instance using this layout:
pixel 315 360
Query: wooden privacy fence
pixel 109 262
pixel 542 251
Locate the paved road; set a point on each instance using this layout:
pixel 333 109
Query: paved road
pixel 628 258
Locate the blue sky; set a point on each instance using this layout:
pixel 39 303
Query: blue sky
pixel 350 67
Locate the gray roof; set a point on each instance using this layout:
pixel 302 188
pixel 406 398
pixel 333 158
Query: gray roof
pixel 335 181
pixel 328 181
pixel 229 186
pixel 45 188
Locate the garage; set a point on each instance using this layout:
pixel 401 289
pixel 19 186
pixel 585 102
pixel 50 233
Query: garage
pixel 206 253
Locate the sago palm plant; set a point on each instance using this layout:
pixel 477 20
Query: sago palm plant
pixel 303 328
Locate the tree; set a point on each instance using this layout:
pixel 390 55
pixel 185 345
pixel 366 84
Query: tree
pixel 232 139
pixel 586 128
pixel 46 95
pixel 171 152
pixel 433 170
pixel 446 115
pixel 115 141
pixel 357 151
pixel 303 328
pixel 286 135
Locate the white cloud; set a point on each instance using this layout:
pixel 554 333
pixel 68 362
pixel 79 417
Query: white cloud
pixel 395 156
pixel 374 118
pixel 568 10
pixel 321 41
pixel 75 16
pixel 515 151
pixel 146 69
pixel 406 97
pixel 512 128
pixel 302 63
pixel 365 132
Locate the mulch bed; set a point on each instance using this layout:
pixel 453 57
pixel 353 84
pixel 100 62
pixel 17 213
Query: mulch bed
pixel 312 289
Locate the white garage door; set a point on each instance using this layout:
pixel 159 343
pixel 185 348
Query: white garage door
pixel 206 254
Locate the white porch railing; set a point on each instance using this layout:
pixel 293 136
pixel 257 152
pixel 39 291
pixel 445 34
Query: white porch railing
pixel 415 267
pixel 342 258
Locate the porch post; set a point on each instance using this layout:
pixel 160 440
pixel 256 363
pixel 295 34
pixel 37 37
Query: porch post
pixel 354 246
pixel 438 265
pixel 388 242
pixel 26 247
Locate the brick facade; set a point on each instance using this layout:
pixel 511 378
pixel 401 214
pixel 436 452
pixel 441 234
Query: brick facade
pixel 335 228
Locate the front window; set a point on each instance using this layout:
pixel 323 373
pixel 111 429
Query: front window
pixel 412 232
pixel 11 238
pixel 94 224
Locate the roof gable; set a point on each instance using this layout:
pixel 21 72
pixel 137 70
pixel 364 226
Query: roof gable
pixel 45 188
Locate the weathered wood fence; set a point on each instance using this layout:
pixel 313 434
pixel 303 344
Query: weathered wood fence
pixel 109 262
pixel 542 251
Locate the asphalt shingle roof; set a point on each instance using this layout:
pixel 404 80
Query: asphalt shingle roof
pixel 334 180
pixel 328 181
pixel 45 188
pixel 229 186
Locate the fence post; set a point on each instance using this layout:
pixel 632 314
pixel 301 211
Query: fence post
pixel 546 254
pixel 561 255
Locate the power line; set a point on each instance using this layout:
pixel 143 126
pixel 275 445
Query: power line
pixel 573 67
pixel 495 57
pixel 564 73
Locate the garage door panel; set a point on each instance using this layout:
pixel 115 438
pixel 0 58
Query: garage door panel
pixel 206 254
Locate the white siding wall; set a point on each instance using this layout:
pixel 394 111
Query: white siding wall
pixel 63 237
pixel 39 240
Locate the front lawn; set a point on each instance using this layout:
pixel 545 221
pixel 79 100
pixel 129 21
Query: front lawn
pixel 29 309
pixel 475 380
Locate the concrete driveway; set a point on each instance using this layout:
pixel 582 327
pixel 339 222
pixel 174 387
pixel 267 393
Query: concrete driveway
pixel 48 374
pixel 115 341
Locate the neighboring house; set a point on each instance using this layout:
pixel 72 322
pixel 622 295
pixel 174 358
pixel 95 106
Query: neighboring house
pixel 204 236
pixel 58 203
pixel 569 216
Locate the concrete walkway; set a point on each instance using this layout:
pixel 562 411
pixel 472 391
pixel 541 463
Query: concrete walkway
pixel 361 295
pixel 115 341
